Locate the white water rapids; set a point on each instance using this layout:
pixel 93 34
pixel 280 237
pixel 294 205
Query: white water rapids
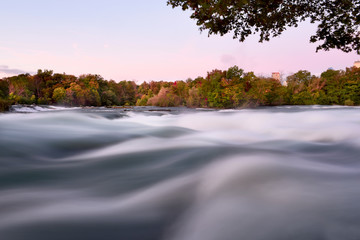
pixel 179 174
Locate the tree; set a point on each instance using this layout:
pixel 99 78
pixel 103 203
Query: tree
pixel 40 81
pixel 234 73
pixel 4 88
pixel 59 95
pixel 338 20
pixel 299 81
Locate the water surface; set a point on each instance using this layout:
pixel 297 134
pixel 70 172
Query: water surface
pixel 278 173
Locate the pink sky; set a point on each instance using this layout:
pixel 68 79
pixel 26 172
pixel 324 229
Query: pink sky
pixel 142 40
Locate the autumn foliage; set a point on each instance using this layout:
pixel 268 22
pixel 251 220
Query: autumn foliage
pixel 232 88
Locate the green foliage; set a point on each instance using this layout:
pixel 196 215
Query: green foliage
pixel 232 88
pixel 108 98
pixel 4 88
pixel 349 102
pixel 142 101
pixel 5 104
pixel 302 98
pixel 299 81
pixel 338 20
pixel 234 73
pixel 59 95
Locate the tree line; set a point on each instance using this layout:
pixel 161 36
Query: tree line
pixel 232 88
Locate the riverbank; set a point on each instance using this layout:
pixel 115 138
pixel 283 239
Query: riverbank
pixel 230 89
pixel 5 105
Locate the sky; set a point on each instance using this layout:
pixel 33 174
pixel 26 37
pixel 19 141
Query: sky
pixel 142 40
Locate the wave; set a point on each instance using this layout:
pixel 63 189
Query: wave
pixel 36 108
pixel 180 174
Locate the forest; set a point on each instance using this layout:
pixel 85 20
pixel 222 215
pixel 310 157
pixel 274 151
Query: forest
pixel 232 88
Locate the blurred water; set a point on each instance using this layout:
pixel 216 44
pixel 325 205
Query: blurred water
pixel 276 173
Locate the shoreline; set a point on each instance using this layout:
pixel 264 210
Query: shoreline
pixel 33 108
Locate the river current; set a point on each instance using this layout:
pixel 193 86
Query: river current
pixel 279 173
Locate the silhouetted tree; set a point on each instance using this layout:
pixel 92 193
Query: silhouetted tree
pixel 338 20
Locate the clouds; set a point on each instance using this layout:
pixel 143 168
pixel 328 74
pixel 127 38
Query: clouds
pixel 10 71
pixel 228 59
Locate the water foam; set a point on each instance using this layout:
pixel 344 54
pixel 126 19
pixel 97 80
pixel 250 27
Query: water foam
pixel 272 173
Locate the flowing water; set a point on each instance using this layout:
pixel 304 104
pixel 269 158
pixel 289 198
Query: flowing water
pixel 178 174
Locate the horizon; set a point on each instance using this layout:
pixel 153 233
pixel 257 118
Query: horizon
pixel 123 40
pixel 269 75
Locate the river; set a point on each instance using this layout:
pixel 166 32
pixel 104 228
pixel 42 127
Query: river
pixel 146 173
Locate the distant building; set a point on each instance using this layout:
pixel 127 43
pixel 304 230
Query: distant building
pixel 357 64
pixel 276 75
